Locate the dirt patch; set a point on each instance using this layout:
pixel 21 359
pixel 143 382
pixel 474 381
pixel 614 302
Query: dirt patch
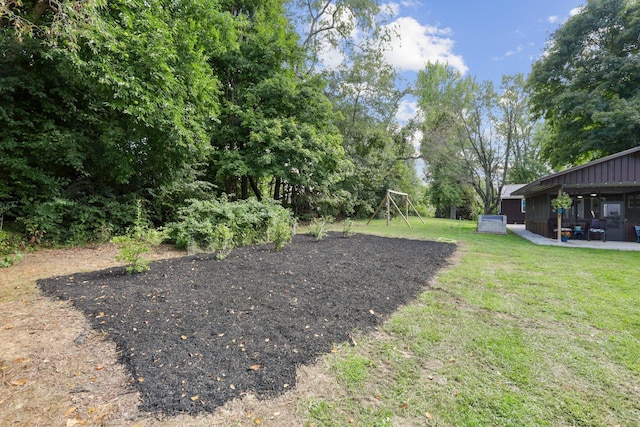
pixel 198 335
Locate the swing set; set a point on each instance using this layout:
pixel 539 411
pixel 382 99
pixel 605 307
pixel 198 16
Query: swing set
pixel 388 201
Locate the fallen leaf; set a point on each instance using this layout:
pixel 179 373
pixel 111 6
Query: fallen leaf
pixel 70 411
pixel 232 387
pixel 255 367
pixel 140 380
pixel 21 381
pixel 101 314
pixel 99 368
pixel 257 421
pixel 183 337
pixel 428 415
pixel 194 398
pixel 371 311
pixel 404 405
pixel 21 360
pixel 8 327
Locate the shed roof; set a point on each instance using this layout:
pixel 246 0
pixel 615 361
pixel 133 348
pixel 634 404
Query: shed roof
pixel 508 190
pixel 620 171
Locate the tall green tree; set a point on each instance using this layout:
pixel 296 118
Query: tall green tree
pixel 107 102
pixel 518 129
pixel 365 93
pixel 276 129
pixel 586 84
pixel 469 133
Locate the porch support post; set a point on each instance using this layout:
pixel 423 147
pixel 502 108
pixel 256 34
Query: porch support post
pixel 559 235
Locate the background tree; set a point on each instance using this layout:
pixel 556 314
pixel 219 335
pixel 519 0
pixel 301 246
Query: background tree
pixel 586 85
pixel 469 134
pixel 103 111
pixel 276 132
pixel 366 93
pixel 518 129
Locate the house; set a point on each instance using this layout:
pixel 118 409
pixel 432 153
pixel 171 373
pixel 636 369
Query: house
pixel 511 205
pixel 607 188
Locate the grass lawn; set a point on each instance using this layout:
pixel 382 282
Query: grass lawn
pixel 512 334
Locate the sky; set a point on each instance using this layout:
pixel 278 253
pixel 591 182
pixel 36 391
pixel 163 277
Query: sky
pixel 485 39
pixel 481 38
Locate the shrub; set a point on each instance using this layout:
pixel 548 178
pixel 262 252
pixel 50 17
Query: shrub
pixel 318 228
pixel 199 225
pixel 347 227
pixel 10 249
pixel 136 242
pixel 63 221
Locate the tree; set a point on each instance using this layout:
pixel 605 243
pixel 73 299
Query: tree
pixel 469 133
pixel 276 129
pixel 518 129
pixel 586 84
pixel 328 25
pixel 100 102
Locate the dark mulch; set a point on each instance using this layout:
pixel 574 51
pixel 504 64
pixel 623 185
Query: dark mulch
pixel 197 326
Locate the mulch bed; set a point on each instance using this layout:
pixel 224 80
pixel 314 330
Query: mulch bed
pixel 196 332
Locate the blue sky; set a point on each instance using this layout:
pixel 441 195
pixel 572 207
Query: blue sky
pixel 485 39
pixel 482 38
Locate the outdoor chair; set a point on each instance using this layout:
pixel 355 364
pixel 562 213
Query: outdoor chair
pixel 637 227
pixel 578 232
pixel 598 227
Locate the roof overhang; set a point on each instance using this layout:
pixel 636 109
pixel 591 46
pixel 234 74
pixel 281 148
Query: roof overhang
pixel 556 181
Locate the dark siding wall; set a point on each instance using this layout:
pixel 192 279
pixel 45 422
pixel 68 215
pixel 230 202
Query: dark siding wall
pixel 537 215
pixel 622 170
pixel 512 209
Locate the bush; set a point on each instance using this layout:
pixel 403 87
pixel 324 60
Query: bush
pixel 347 227
pixel 318 228
pixel 200 225
pixel 11 247
pixel 136 242
pixel 63 221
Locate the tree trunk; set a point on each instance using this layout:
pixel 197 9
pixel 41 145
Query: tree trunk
pixel 276 189
pixel 245 188
pixel 256 190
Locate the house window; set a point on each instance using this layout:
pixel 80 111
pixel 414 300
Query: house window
pixel 523 205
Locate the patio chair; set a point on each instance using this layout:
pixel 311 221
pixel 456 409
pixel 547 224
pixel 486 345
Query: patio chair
pixel 637 227
pixel 578 232
pixel 598 227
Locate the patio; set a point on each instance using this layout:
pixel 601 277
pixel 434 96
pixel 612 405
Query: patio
pixel 520 230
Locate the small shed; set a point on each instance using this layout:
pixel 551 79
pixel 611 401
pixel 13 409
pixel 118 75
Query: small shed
pixel 605 189
pixel 512 206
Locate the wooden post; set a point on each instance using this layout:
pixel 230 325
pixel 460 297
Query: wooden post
pixel 406 207
pixel 559 234
pixel 388 208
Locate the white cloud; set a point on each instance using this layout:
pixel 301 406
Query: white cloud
pixel 552 19
pixel 392 9
pixel 515 51
pixel 406 110
pixel 413 45
pixel 576 10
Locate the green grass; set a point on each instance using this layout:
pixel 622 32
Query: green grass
pixel 511 334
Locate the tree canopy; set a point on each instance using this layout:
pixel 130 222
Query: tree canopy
pixel 106 103
pixel 587 84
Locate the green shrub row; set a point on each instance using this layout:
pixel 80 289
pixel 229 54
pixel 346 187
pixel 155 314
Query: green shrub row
pixel 220 225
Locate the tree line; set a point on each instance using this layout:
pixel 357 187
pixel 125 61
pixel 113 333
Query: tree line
pixel 104 104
